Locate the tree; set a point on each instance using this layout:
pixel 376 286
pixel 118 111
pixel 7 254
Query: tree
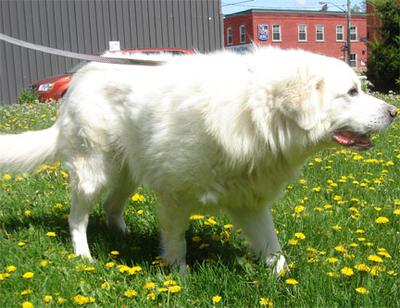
pixel 384 58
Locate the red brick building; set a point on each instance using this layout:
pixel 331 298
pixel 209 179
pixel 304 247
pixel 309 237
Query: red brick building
pixel 317 31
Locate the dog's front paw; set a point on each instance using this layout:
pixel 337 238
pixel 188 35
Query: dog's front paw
pixel 278 263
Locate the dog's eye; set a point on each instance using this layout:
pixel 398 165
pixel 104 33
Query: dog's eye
pixel 353 91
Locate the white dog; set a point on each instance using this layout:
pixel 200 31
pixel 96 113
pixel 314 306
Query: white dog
pixel 206 132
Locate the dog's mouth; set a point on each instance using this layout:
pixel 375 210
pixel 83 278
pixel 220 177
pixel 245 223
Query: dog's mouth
pixel 351 139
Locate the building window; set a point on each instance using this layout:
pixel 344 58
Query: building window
pixel 302 33
pixel 229 36
pixel 353 60
pixel 242 32
pixel 276 33
pixel 353 33
pixel 319 31
pixel 339 33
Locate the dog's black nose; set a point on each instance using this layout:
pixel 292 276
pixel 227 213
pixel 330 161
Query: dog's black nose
pixel 393 112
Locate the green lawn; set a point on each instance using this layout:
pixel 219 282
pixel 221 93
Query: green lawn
pixel 339 225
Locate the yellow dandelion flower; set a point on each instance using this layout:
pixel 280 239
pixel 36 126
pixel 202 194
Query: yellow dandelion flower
pixel 210 221
pixel 106 285
pixel 27 305
pixel 21 244
pixel 48 299
pixel 341 248
pixel 71 256
pixel 300 235
pixel 7 177
pixel 362 267
pixel 109 264
pixel 28 275
pixel 123 268
pixel 196 217
pixel 396 212
pixel 347 271
pixel 337 228
pixel 332 260
pixel 216 299
pixel 61 301
pixel 174 289
pixel 375 258
pixel 26 292
pixel 291 282
pixel 51 234
pixel 134 270
pixel 114 253
pixel 162 290
pixel 299 209
pixel 265 301
pixel 140 212
pixel 293 242
pixel 137 198
pixel 170 282
pixel 151 296
pixel 11 269
pixel 130 293
pixel 383 252
pixel 362 290
pixel 27 213
pixel 82 300
pixel 44 263
pixel 382 220
pixel 328 206
pixel 149 285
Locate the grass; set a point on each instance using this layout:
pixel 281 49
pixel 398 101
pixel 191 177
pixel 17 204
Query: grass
pixel 344 209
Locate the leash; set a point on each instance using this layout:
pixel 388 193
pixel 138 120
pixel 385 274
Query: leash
pixel 80 56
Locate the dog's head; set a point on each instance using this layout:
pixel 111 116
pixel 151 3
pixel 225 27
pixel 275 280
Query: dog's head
pixel 323 97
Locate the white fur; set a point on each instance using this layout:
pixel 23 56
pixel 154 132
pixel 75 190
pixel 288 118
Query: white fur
pixel 207 132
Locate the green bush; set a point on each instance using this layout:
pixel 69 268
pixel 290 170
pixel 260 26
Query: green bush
pixel 27 96
pixel 384 60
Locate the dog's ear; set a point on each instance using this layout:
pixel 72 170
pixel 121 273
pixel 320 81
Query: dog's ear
pixel 302 101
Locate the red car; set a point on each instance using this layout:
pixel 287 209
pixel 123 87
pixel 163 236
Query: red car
pixel 54 88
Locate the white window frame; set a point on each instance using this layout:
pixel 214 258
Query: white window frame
pixel 242 34
pixel 276 26
pixel 304 31
pixel 353 62
pixel 353 32
pixel 229 36
pixel 322 28
pixel 339 33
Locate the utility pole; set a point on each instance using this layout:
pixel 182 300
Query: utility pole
pixel 348 47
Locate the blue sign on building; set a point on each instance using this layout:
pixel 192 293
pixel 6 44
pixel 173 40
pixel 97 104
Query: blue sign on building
pixel 263 32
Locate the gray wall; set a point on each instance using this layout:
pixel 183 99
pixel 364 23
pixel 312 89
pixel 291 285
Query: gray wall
pixel 86 26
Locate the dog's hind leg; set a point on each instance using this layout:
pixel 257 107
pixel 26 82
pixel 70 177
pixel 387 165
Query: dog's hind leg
pixel 174 221
pixel 88 179
pixel 259 227
pixel 119 191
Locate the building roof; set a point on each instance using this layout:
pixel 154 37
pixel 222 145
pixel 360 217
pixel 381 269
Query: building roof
pixel 284 11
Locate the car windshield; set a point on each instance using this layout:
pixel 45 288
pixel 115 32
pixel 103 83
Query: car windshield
pixel 76 67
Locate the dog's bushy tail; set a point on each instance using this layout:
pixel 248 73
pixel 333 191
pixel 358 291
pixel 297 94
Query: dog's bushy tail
pixel 27 151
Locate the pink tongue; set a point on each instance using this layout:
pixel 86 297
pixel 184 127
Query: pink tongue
pixel 349 138
pixel 346 137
